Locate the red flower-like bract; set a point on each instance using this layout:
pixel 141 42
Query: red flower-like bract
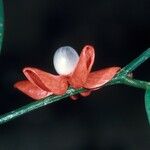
pixel 41 84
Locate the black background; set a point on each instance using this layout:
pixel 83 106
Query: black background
pixel 112 118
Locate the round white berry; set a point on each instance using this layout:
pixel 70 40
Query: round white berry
pixel 65 60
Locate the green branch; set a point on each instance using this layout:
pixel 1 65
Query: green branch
pixel 37 104
pixel 135 83
pixel 121 78
pixel 134 64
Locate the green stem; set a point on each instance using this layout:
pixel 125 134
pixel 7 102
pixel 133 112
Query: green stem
pixel 130 82
pixel 134 64
pixel 37 104
pixel 120 78
pixel 135 83
pixel 1 23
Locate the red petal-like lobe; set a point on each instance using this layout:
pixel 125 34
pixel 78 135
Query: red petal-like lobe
pixel 87 93
pixel 74 97
pixel 99 78
pixel 79 76
pixel 31 90
pixel 46 81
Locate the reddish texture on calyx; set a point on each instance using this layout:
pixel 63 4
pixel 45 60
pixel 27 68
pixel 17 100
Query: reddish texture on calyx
pixel 40 84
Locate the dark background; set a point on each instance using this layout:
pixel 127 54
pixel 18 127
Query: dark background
pixel 112 118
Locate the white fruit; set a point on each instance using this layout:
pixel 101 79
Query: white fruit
pixel 65 60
